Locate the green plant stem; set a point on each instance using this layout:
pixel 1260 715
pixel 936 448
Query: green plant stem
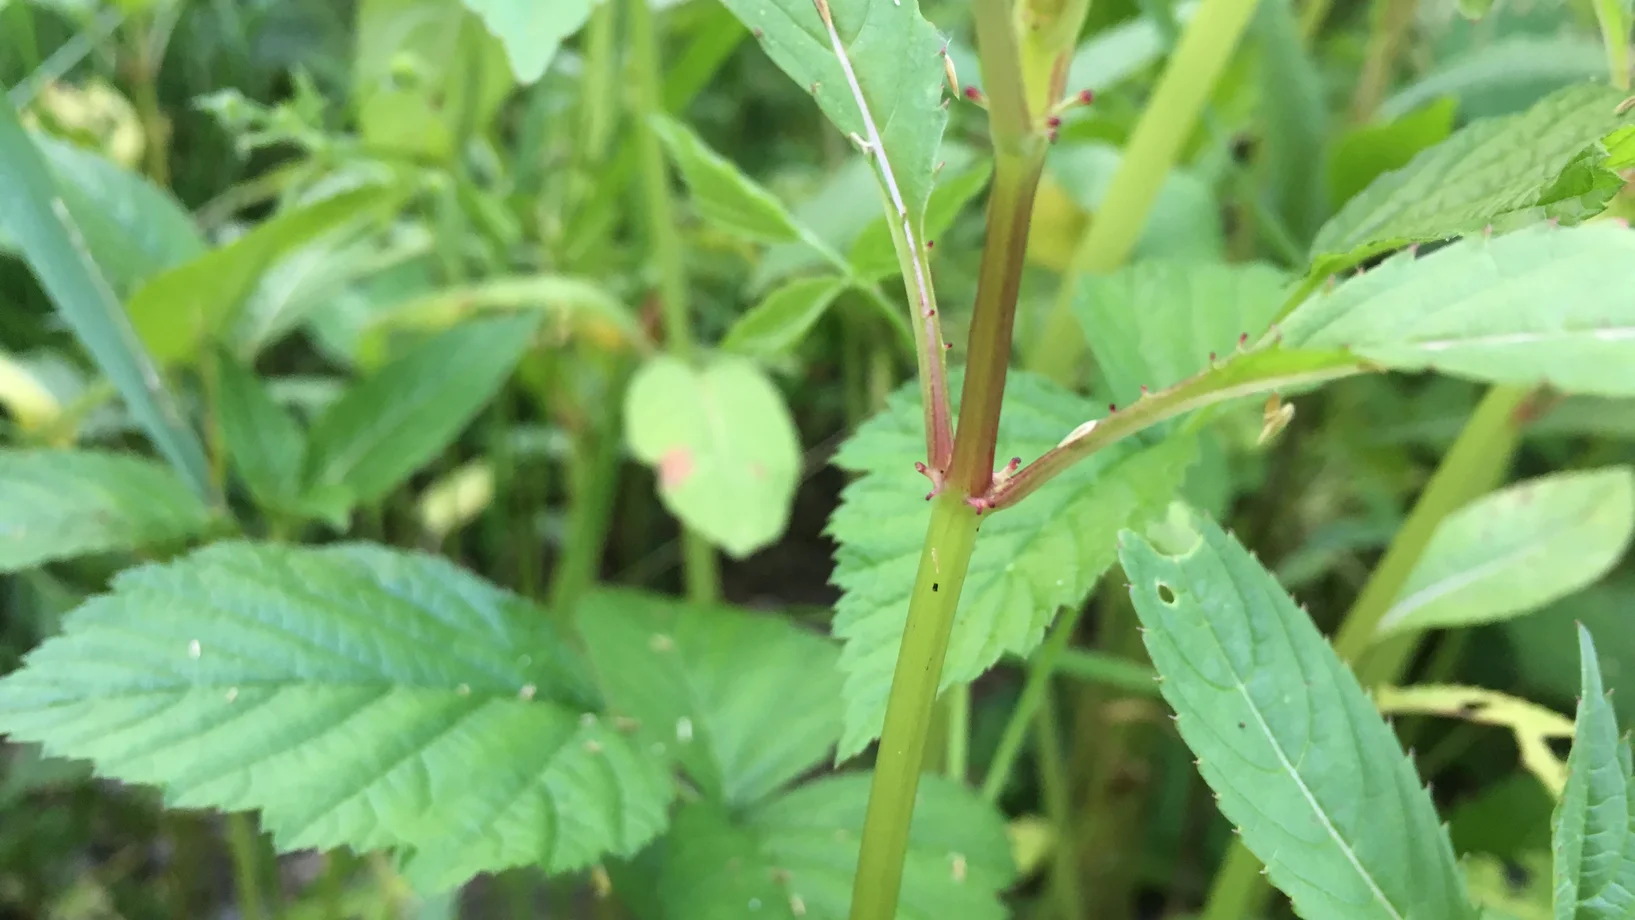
pixel 1474 464
pixel 1064 874
pixel 950 537
pixel 1206 45
pixel 957 760
pixel 593 478
pixel 1386 39
pixel 1615 36
pixel 1111 670
pixel 1028 702
pixel 658 206
pixel 245 846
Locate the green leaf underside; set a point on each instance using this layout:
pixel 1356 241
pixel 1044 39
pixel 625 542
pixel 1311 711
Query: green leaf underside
pixel 531 31
pixel 1541 305
pixel 794 856
pixel 61 504
pixel 1593 828
pixel 357 696
pixel 1156 323
pixel 744 702
pixel 1030 560
pixel 874 256
pixel 1518 549
pixel 721 193
pixel 723 445
pixel 1485 171
pixel 387 426
pixel 897 56
pixel 778 323
pixel 1299 759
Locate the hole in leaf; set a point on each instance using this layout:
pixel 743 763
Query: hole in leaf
pixel 1166 594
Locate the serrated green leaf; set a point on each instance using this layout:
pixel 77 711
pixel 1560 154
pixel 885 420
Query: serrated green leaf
pixel 897 58
pixel 393 422
pixel 721 192
pixel 1518 549
pixel 357 696
pixel 1485 171
pixel 55 251
pixel 873 256
pixel 266 444
pixel 131 228
pixel 531 31
pixel 1541 305
pixel 1365 152
pixel 178 312
pixel 1156 323
pixel 723 445
pixel 793 858
pixel 744 702
pixel 778 323
pixel 1043 554
pixel 1593 829
pixel 1298 758
pixel 61 504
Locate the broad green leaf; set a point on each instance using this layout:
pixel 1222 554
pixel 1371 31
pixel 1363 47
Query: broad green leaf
pixel 745 702
pixel 1366 152
pixel 54 248
pixel 1505 75
pixel 1593 829
pixel 723 445
pixel 1299 760
pixel 1044 554
pixel 873 256
pixel 778 323
pixel 897 58
pixel 1295 118
pixel 265 442
pixel 1541 305
pixel 531 31
pixel 793 858
pixel 1487 170
pixel 1185 218
pixel 179 312
pixel 722 194
pixel 1518 549
pixel 1157 322
pixel 357 696
pixel 396 420
pixel 131 227
pixel 61 504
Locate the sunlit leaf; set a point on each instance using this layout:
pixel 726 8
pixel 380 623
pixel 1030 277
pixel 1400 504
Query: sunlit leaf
pixel 531 31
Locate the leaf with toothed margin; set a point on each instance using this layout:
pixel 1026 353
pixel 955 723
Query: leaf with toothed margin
pixel 357 696
pixel 793 858
pixel 1488 170
pixel 897 58
pixel 1297 756
pixel 1029 561
pixel 1593 828
pixel 1541 305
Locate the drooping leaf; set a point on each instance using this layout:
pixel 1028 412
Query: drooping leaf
pixel 721 192
pixel 873 256
pixel 356 696
pixel 1518 549
pixel 744 702
pixel 58 504
pixel 391 423
pixel 54 248
pixel 1299 760
pixel 793 858
pixel 897 58
pixel 1157 322
pixel 1043 554
pixel 179 311
pixel 131 228
pixel 723 445
pixel 1540 305
pixel 1366 152
pixel 778 323
pixel 1486 170
pixel 531 31
pixel 1593 829
pixel 266 444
